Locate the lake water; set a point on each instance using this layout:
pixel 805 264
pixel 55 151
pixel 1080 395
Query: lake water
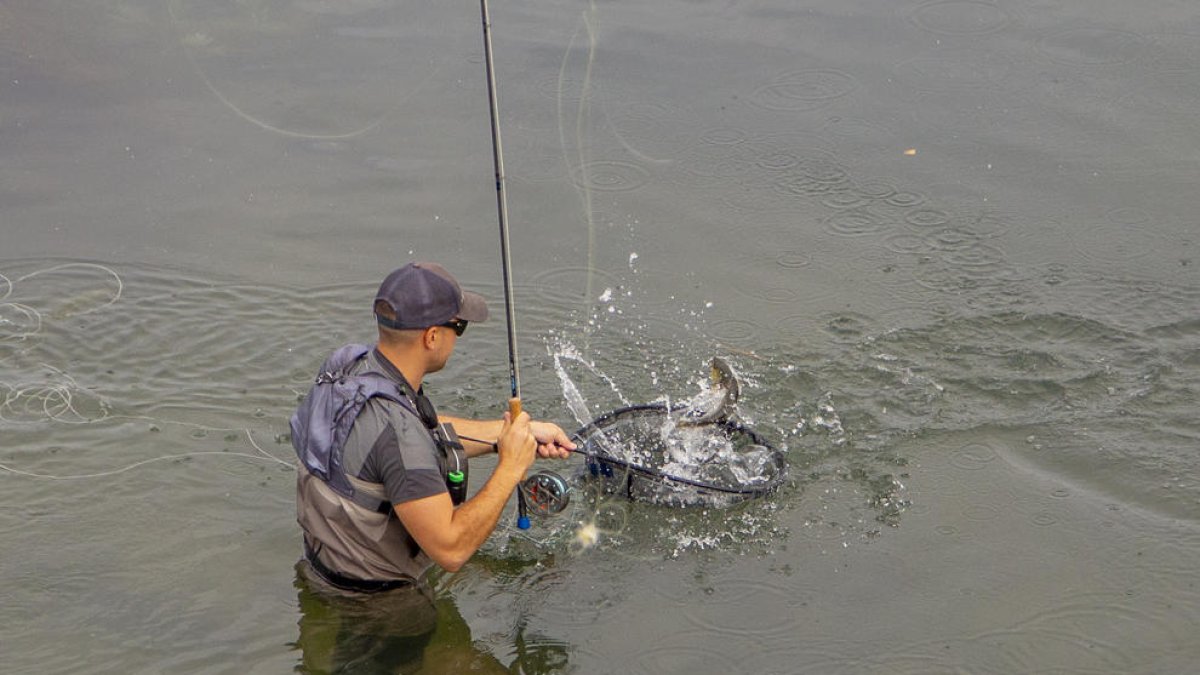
pixel 950 246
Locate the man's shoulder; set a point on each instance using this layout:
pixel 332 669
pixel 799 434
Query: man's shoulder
pixel 384 428
pixel 380 412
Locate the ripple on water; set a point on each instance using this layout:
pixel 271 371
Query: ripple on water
pixel 779 160
pixel 906 200
pixel 973 457
pixel 927 218
pixel 691 655
pixel 1043 519
pixel 708 164
pixel 876 188
pixel 735 331
pixel 861 222
pixel 580 606
pixel 951 239
pixel 610 175
pixel 905 243
pixel 791 259
pixel 1085 630
pixel 849 327
pixel 724 136
pixel 846 198
pixel 986 224
pixel 566 89
pixel 533 157
pixel 960 17
pixel 746 608
pixel 654 132
pixel 803 90
pixel 569 285
pixel 1123 234
pixel 1134 304
pixel 817 173
pixel 975 268
pixel 769 293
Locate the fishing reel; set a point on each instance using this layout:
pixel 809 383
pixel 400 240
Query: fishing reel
pixel 545 493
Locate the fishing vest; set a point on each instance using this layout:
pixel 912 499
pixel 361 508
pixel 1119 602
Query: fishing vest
pixel 350 529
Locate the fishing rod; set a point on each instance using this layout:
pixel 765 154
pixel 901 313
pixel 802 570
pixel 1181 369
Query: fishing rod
pixel 510 312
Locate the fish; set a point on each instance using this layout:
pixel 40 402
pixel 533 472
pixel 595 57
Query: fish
pixel 715 403
pixel 690 453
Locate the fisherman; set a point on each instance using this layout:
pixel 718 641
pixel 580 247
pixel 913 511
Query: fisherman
pixel 388 509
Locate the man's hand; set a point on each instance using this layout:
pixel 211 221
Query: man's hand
pixel 516 444
pixel 552 442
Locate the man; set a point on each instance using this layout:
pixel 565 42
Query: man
pixel 402 461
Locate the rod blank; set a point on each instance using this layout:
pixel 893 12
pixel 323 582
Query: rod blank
pixel 510 311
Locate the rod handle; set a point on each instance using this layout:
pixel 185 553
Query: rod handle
pixel 522 511
pixel 514 409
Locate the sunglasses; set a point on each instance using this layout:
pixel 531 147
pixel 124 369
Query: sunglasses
pixel 459 326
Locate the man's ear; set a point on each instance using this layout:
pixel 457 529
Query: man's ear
pixel 430 337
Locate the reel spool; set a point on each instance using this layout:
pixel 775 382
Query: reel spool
pixel 545 493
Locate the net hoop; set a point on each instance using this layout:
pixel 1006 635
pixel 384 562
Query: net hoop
pixel 634 479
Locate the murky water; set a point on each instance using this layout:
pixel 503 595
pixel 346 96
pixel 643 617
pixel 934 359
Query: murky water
pixel 949 246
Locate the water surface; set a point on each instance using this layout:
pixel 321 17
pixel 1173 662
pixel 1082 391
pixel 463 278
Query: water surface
pixel 949 245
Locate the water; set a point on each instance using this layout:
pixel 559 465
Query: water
pixel 948 246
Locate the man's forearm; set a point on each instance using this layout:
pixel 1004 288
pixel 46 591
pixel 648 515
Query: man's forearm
pixel 478 436
pixel 450 536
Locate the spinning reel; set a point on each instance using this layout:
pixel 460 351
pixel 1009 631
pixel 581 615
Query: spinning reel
pixel 545 493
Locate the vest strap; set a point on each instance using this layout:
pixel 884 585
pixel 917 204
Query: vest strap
pixel 367 495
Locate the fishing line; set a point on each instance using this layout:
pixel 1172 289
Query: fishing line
pixel 263 456
pixel 31 314
pixel 57 400
pixel 583 185
pixel 116 296
pixel 212 88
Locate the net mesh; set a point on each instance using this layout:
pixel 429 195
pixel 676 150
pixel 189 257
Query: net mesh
pixel 650 454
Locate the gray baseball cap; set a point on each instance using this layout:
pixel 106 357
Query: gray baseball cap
pixel 424 294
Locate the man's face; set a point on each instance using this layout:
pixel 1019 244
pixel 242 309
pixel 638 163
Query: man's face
pixel 447 338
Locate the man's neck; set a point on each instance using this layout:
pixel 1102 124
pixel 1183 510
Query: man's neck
pixel 411 368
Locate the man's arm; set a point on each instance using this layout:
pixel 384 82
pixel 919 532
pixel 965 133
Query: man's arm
pixel 552 441
pixel 450 536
